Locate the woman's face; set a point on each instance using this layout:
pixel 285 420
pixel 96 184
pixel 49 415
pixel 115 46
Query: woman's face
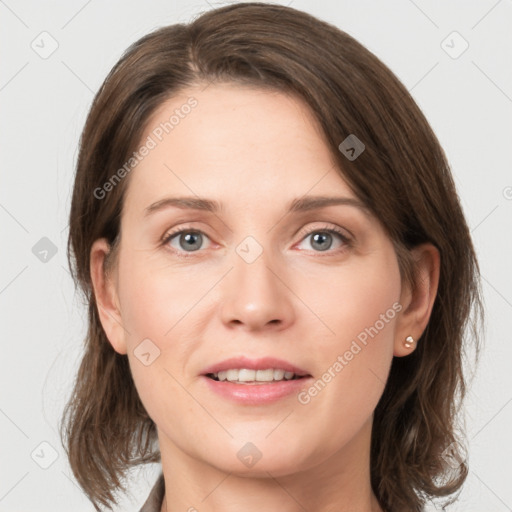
pixel 253 279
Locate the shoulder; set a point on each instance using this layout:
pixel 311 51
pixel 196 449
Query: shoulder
pixel 155 499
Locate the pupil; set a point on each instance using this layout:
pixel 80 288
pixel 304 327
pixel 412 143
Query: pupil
pixel 189 241
pixel 321 237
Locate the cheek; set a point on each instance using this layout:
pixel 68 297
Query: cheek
pixel 150 308
pixel 152 299
pixel 354 298
pixel 158 303
pixel 353 356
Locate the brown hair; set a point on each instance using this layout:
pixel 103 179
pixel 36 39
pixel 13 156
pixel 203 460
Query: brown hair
pixel 402 176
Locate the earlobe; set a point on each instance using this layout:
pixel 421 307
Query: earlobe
pixel 106 297
pixel 418 300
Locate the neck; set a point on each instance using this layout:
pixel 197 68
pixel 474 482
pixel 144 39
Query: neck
pixel 340 482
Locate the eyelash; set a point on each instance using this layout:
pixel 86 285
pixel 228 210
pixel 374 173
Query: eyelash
pixel 347 243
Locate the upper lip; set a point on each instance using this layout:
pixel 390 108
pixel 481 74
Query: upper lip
pixel 254 364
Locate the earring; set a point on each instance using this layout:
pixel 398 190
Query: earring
pixel 408 342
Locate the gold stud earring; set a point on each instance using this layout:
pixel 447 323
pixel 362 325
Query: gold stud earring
pixel 408 342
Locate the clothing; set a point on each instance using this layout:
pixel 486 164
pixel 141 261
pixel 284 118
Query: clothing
pixel 156 496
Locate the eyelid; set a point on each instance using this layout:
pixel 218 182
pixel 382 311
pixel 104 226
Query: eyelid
pixel 343 233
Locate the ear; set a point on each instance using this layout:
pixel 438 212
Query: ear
pixel 105 292
pixel 417 301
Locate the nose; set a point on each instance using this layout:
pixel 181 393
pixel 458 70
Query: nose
pixel 256 295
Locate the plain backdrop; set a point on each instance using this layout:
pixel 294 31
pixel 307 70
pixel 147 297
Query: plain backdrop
pixel 54 56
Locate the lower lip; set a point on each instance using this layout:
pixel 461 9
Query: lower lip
pixel 257 394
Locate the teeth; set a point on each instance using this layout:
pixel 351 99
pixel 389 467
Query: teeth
pixel 245 375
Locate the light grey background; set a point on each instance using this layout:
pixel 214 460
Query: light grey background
pixel 467 99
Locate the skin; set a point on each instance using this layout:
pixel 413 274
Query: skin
pixel 254 151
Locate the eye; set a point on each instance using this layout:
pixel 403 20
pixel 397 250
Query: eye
pixel 187 240
pixel 322 239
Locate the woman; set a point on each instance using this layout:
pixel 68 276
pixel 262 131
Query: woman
pixel 263 370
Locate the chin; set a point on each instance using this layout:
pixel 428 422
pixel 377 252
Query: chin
pixel 261 469
pixel 260 457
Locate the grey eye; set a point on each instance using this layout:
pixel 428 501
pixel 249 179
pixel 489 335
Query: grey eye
pixel 321 240
pixel 188 241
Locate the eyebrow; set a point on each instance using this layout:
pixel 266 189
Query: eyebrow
pixel 300 204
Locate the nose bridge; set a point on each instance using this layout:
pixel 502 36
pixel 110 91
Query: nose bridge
pixel 253 263
pixel 255 294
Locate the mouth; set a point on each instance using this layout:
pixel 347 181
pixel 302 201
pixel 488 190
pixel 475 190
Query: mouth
pixel 255 377
pixel 249 387
pixel 255 382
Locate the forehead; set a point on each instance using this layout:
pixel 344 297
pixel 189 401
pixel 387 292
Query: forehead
pixel 236 143
pixel 236 121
